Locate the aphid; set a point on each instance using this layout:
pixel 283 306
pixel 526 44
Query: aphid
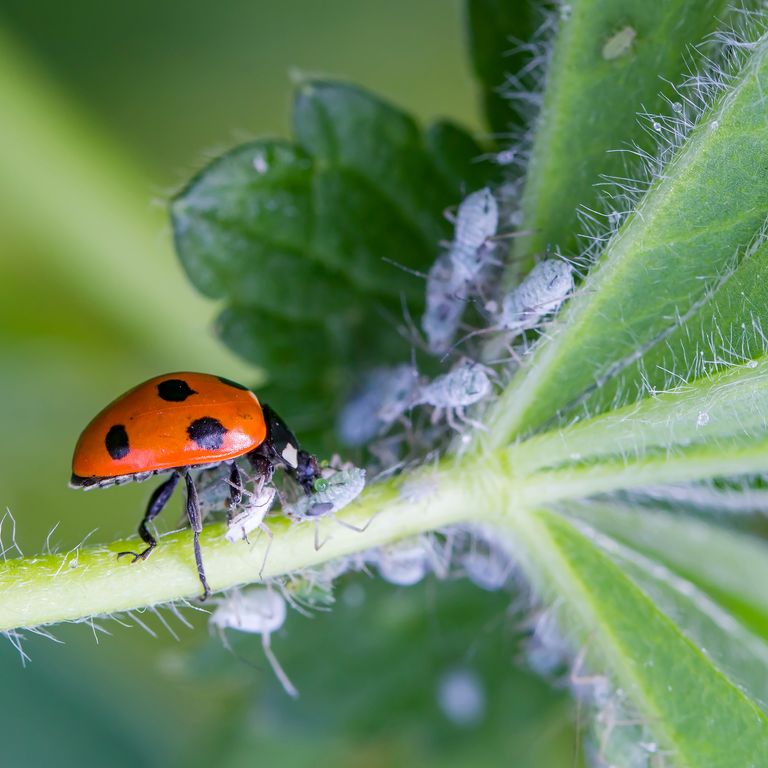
pixel 488 568
pixel 452 277
pixel 251 513
pixel 177 423
pixel 385 396
pixel 260 611
pixel 476 223
pixel 333 491
pixel 408 561
pixel 461 696
pixel 403 563
pixel 445 305
pixel 453 392
pixel 541 293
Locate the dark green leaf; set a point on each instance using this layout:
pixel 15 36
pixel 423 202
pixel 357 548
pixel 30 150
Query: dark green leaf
pixel 304 242
pixel 609 61
pixel 493 26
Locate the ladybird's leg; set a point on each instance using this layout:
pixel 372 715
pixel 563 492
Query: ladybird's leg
pixel 196 523
pixel 156 503
pixel 263 468
pixel 235 491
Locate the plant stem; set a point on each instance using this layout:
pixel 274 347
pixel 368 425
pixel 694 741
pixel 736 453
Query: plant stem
pixel 90 581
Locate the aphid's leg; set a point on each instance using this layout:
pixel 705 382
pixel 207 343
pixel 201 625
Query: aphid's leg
pixel 235 491
pixel 319 544
pixel 265 529
pixel 510 235
pixel 450 418
pixel 196 523
pixel 357 528
pixel 288 686
pixel 461 415
pixel 156 503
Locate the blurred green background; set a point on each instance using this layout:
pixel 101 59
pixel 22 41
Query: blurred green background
pixel 106 108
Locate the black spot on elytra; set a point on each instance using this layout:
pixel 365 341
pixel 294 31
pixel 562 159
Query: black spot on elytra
pixel 116 442
pixel 174 390
pixel 207 432
pixel 231 383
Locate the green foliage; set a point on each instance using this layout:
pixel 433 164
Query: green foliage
pixel 307 242
pixel 674 683
pixel 664 613
pixel 496 31
pixel 386 681
pixel 731 566
pixel 607 64
pixel 668 256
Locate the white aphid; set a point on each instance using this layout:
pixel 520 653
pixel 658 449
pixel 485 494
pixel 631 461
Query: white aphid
pixel 547 650
pixel 445 305
pixel 461 697
pixel 251 513
pixel 259 611
pixel 454 274
pixel 339 488
pixel 465 385
pixel 541 293
pixel 386 394
pixel 476 223
pixel 408 561
pixel 488 569
pixel 450 394
pixel 403 563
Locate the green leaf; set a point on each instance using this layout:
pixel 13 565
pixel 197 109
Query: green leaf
pixel 724 328
pixel 456 155
pixel 731 567
pixel 521 717
pixel 684 699
pixel 710 201
pixel 607 63
pixel 493 27
pixel 304 241
pixel 713 428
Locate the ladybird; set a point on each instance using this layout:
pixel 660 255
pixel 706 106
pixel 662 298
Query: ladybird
pixel 180 422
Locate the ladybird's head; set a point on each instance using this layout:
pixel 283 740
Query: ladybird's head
pixel 307 472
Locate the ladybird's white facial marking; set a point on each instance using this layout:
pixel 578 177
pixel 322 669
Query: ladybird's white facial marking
pixel 291 455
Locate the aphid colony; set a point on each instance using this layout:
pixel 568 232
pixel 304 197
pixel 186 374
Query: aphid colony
pixel 468 271
pixel 225 445
pixel 262 610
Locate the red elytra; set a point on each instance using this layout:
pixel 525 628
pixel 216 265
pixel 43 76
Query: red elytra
pixel 182 421
pixel 176 420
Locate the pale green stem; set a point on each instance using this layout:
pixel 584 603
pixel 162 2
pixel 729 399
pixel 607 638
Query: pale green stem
pixel 91 581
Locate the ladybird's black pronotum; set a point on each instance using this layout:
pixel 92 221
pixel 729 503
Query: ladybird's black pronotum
pixel 179 422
